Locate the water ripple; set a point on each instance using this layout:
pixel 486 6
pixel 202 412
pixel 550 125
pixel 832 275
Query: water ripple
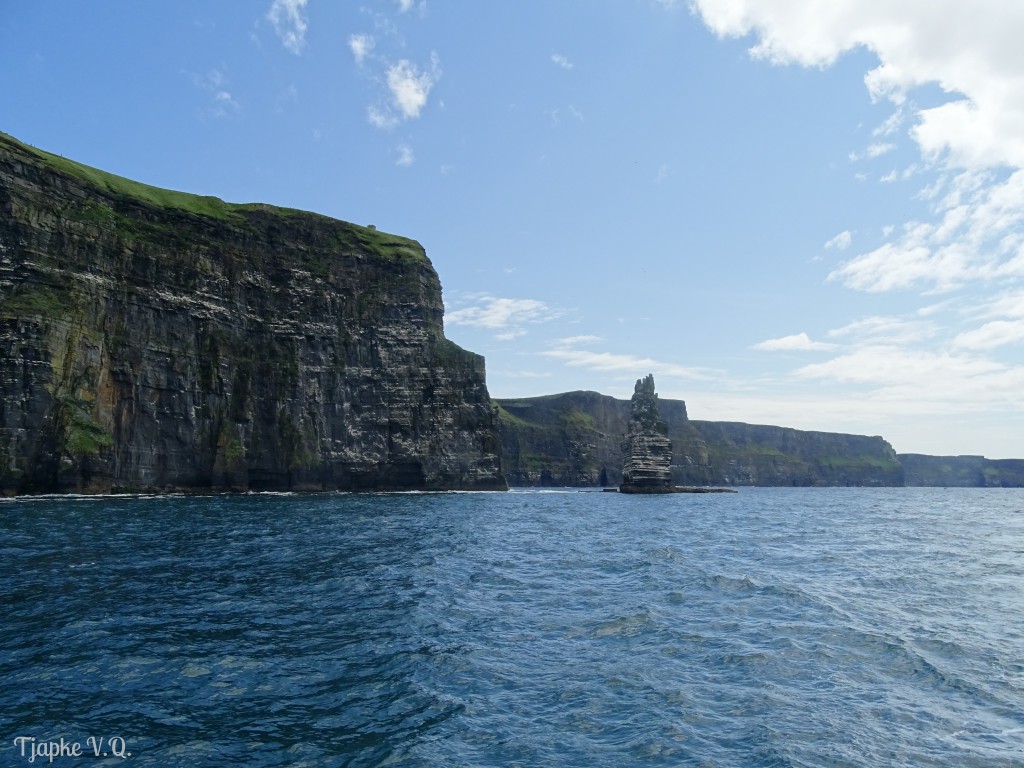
pixel 774 627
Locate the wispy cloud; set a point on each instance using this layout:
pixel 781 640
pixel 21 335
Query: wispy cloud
pixel 408 88
pixel 798 342
pixel 222 104
pixel 361 46
pixel 405 156
pixel 878 329
pixel 572 341
pixel 874 150
pixel 562 61
pixel 608 361
pixel 977 235
pixel 897 366
pixel 507 317
pixel 289 21
pixel 568 351
pixel 998 333
pixel 891 124
pixel 840 242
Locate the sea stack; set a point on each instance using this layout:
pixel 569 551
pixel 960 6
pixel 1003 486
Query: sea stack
pixel 647 463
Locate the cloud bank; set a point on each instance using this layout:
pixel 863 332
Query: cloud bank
pixel 972 51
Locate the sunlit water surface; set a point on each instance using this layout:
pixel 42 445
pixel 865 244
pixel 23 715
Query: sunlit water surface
pixel 772 627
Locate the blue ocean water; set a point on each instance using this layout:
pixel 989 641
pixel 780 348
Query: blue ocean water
pixel 772 627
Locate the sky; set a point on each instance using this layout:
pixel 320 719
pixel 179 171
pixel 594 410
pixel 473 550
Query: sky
pixel 807 213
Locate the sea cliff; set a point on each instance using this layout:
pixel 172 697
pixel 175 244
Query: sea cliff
pixel 575 439
pixel 962 471
pixel 153 341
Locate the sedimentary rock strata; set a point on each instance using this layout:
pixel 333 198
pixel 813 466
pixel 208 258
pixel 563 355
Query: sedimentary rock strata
pixel 152 340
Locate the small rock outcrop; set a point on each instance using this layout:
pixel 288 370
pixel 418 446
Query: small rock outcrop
pixel 647 465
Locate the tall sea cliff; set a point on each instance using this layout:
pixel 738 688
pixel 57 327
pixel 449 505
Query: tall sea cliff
pixel 154 340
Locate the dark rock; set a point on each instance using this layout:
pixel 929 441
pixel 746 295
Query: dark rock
pixel 153 340
pixel 647 465
pixel 756 454
pixel 962 471
pixel 572 438
pixel 575 439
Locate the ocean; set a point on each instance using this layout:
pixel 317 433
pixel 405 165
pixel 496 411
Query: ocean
pixel 562 627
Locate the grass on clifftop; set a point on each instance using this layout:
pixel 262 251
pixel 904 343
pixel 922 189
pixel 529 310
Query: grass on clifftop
pixel 118 185
pixel 387 246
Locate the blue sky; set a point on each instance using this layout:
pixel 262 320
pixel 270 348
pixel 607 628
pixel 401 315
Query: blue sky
pixel 797 212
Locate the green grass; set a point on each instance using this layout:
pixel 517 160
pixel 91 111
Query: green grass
pixel 118 185
pixel 858 462
pixel 389 247
pixel 507 418
pixel 36 301
pixel 386 246
pixel 578 420
pixel 84 436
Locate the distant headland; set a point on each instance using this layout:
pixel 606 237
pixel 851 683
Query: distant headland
pixel 575 439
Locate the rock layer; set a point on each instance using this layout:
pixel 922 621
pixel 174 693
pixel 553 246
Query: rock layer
pixel 575 439
pixel 152 340
pixel 647 465
pixel 962 471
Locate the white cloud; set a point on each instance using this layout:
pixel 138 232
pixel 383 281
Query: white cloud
pixel 572 341
pixel 891 124
pixel 289 21
pixel 507 316
pixel 971 49
pixel 841 242
pixel 798 342
pixel 972 52
pixel 408 90
pixel 405 156
pixel 874 150
pixel 222 103
pixel 925 381
pixel 977 235
pixel 998 333
pixel 225 101
pixel 631 364
pixel 1006 304
pixel 561 61
pixel 380 118
pixel 410 87
pixel 529 374
pixel 884 329
pixel 361 46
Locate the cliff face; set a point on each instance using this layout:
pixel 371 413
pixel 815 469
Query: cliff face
pixel 962 471
pixel 156 340
pixel 754 454
pixel 575 439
